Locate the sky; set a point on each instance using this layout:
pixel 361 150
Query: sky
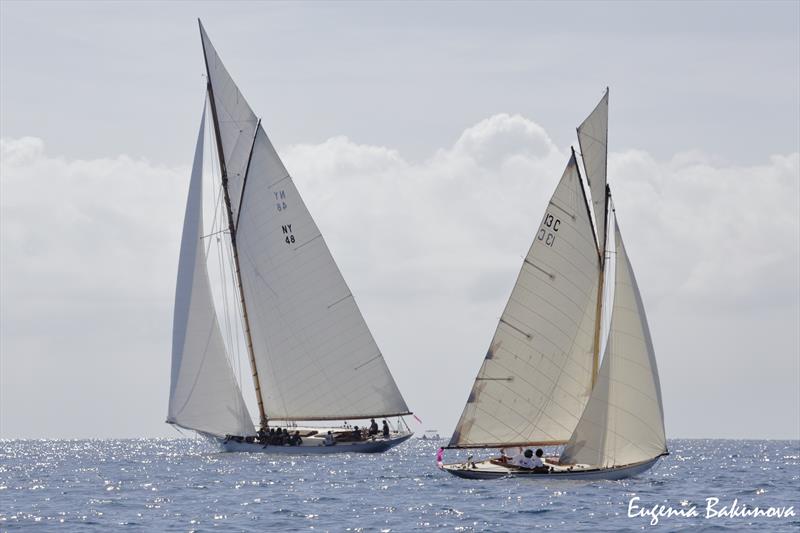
pixel 426 139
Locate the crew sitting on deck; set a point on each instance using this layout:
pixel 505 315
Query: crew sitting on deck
pixel 385 429
pixel 286 439
pixel 295 440
pixel 537 460
pixel 356 433
pixel 373 428
pixel 329 440
pixel 524 459
pixel 528 460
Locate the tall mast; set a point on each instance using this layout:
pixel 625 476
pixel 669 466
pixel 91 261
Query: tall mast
pixel 232 230
pixel 600 245
pixel 601 229
pixel 600 290
pixel 600 286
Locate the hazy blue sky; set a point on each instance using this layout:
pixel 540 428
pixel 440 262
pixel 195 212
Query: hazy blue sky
pixel 426 139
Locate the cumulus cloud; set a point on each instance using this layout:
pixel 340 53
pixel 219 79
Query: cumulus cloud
pixel 87 268
pixel 430 248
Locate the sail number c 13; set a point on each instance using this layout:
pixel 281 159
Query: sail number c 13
pixel 547 232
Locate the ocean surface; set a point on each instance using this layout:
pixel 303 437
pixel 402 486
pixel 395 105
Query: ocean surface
pixel 186 485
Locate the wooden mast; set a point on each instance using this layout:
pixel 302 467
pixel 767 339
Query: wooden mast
pixel 601 247
pixel 600 244
pixel 600 290
pixel 263 421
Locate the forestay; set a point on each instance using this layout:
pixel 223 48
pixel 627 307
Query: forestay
pixel 624 420
pixel 204 395
pixel 315 356
pixel 536 377
pixel 593 139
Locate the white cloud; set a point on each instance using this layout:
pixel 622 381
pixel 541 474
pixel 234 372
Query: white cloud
pixel 430 248
pixel 88 261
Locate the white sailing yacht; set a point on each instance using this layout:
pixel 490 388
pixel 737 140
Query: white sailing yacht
pixel 311 354
pixel 540 384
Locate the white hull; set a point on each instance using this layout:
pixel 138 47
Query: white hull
pixel 316 446
pixel 490 470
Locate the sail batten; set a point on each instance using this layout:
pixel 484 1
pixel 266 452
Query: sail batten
pixel 204 394
pixel 536 377
pixel 311 347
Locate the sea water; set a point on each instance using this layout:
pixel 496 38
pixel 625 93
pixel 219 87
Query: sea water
pixel 186 484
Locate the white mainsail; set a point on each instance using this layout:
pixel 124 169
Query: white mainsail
pixel 593 140
pixel 235 123
pixel 537 375
pixel 315 356
pixel 204 395
pixel 624 420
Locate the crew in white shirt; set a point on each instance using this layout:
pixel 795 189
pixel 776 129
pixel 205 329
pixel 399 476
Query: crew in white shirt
pixel 537 460
pixel 524 459
pixel 527 459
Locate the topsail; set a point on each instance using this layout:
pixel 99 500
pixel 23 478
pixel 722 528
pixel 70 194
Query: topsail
pixel 593 140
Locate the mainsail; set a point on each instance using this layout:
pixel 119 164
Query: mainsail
pixel 624 420
pixel 593 140
pixel 204 395
pixel 312 350
pixel 537 374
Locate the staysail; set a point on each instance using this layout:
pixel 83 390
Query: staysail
pixel 593 140
pixel 204 395
pixel 624 420
pixel 537 374
pixel 315 356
